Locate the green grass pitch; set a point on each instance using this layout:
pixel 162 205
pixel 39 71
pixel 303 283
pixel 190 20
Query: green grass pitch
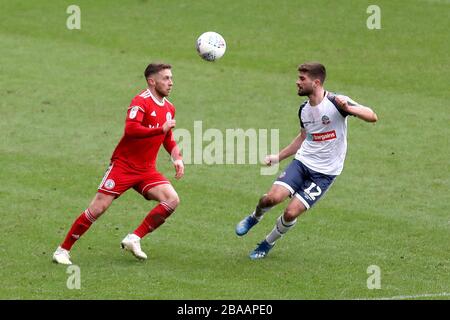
pixel 63 99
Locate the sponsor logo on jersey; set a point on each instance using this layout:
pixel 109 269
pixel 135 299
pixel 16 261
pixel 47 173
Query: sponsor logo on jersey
pixel 325 120
pixel 324 136
pixel 109 184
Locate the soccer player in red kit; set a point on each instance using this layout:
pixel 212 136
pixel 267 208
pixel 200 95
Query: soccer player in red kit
pixel 149 123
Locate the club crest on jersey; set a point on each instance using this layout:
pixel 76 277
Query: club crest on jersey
pixel 133 112
pixel 326 120
pixel 109 184
pixel 168 116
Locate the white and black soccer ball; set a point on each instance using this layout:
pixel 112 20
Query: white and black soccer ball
pixel 211 46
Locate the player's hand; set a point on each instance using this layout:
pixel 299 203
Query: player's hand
pixel 271 159
pixel 342 103
pixel 169 124
pixel 179 168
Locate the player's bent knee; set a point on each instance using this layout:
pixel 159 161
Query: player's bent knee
pixel 174 198
pixel 290 214
pixel 173 201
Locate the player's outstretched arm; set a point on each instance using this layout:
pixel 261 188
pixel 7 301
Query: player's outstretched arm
pixel 360 111
pixel 175 154
pixel 290 150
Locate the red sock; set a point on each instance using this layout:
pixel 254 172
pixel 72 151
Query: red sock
pixel 154 219
pixel 80 226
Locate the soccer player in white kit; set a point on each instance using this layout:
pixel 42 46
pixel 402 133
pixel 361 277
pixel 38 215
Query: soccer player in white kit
pixel 319 150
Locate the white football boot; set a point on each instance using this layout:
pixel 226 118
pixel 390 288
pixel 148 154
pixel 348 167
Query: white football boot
pixel 61 256
pixel 133 243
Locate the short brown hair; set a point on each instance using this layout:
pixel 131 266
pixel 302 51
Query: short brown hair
pixel 315 70
pixel 153 68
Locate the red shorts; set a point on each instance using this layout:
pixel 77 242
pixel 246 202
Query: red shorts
pixel 119 178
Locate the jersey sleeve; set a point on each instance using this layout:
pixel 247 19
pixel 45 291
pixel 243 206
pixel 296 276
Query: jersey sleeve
pixel 136 110
pixel 133 123
pixel 332 98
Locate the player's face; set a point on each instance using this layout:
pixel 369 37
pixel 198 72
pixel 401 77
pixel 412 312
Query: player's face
pixel 163 82
pixel 305 84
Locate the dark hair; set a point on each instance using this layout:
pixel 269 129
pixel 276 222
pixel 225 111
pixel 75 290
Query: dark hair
pixel 153 68
pixel 315 70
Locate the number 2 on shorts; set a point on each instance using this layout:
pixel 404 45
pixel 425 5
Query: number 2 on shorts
pixel 315 194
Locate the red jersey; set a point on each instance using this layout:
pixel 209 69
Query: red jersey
pixel 143 134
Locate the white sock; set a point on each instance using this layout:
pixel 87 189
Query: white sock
pixel 281 227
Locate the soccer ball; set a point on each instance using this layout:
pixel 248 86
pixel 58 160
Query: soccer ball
pixel 211 46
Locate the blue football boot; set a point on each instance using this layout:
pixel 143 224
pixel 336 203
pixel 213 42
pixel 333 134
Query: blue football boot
pixel 245 225
pixel 261 250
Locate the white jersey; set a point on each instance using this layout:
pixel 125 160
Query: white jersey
pixel 325 146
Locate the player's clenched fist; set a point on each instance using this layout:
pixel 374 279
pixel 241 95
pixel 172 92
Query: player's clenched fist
pixel 271 159
pixel 342 102
pixel 179 168
pixel 169 124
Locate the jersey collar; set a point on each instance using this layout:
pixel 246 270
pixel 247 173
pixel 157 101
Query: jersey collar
pixel 159 103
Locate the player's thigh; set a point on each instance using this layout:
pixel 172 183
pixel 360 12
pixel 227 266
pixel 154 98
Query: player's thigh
pixel 155 186
pixel 290 180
